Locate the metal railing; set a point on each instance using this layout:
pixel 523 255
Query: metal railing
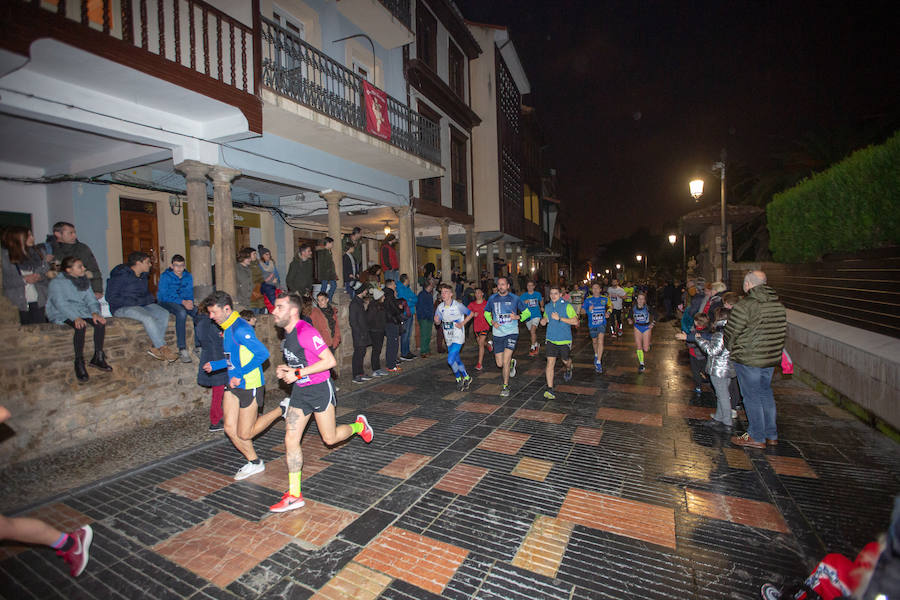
pixel 400 9
pixel 297 70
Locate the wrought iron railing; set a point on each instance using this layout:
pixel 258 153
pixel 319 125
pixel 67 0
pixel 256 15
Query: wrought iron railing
pixel 400 9
pixel 295 69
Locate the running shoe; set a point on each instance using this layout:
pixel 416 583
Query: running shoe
pixel 249 469
pixel 459 384
pixel 478 367
pixel 770 592
pixel 367 432
pixel 467 381
pixel 549 395
pixel 504 391
pixel 214 427
pixel 284 404
pixel 599 368
pixel 567 376
pixel 641 369
pixel 533 351
pixel 394 370
pixel 287 503
pixel 78 555
pixel 490 345
pixel 512 367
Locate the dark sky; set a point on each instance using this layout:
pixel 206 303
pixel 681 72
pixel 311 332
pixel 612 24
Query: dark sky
pixel 636 97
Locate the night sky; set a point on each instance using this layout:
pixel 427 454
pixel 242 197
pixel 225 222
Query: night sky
pixel 637 97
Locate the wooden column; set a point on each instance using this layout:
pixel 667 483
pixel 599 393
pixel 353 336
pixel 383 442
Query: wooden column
pixel 446 267
pixel 198 226
pixel 223 229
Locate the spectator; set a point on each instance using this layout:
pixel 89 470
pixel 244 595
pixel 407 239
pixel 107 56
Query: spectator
pixel 211 350
pixel 355 238
pixel 72 302
pixel 176 294
pixel 425 315
pixel 359 328
pixel 715 300
pixel 388 257
pixel 350 268
pixel 271 282
pixel 377 320
pixel 300 274
pixel 372 275
pixel 249 281
pixel 324 317
pixel 26 275
pixel 325 264
pixel 393 320
pixel 129 297
pixel 406 294
pixel 697 358
pixel 65 243
pixel 754 337
pixel 718 365
pixel 669 295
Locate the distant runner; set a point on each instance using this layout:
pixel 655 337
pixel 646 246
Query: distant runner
pixel 452 316
pixel 535 303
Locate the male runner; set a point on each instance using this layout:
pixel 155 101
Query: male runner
pixel 616 296
pixel 244 397
pixel 503 312
pixel 308 363
pixel 559 317
pixel 535 303
pixel 453 317
pixel 597 309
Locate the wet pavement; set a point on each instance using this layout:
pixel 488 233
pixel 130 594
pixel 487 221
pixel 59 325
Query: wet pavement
pixel 615 490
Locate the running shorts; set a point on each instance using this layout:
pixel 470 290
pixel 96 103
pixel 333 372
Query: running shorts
pixel 642 328
pixel 595 331
pixel 247 397
pixel 505 342
pixel 313 398
pixel 560 351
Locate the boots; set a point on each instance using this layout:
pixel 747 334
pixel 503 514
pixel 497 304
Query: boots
pixel 99 361
pixel 80 372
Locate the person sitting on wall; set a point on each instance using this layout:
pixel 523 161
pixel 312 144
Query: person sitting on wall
pixel 176 295
pixel 129 297
pixel 65 243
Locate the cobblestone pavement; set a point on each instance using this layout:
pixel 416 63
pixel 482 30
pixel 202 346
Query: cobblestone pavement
pixel 615 490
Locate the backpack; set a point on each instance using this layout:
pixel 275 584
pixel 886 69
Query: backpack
pixel 403 306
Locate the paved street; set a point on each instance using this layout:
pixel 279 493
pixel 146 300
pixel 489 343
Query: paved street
pixel 614 490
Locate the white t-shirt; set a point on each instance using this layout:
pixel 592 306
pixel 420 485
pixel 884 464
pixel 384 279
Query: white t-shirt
pixel 616 295
pixel 449 316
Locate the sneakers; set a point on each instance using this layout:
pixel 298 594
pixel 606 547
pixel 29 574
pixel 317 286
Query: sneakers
pixel 459 384
pixel 478 367
pixel 697 390
pixel 169 354
pixel 157 353
pixel 78 555
pixel 380 373
pixel 641 368
pixel 770 592
pixel 533 351
pixel 214 427
pixel 490 345
pixel 285 404
pixel 409 356
pixel 504 391
pixel 249 469
pixel 466 382
pixel 549 395
pixel 512 367
pixel 367 432
pixel 746 441
pixel 361 378
pixel 287 503
pixel 733 414
pixel 184 355
pixel 394 370
pixel 599 368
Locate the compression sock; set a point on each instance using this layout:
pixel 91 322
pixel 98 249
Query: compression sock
pixel 640 354
pixel 64 542
pixel 258 461
pixel 356 427
pixel 294 479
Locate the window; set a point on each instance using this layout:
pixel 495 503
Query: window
pixel 362 71
pixel 457 71
pixel 532 205
pixel 426 36
pixel 458 171
pixel 293 29
pixel 430 189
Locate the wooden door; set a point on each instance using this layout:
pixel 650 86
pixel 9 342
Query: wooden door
pixel 140 234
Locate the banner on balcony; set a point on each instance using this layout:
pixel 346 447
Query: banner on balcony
pixel 377 122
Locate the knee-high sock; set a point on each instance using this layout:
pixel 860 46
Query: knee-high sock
pixel 294 480
pixel 459 369
pixel 640 354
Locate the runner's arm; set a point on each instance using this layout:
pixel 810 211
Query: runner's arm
pixel 571 317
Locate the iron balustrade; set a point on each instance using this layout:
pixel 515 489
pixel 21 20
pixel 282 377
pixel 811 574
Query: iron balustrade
pixel 295 69
pixel 400 9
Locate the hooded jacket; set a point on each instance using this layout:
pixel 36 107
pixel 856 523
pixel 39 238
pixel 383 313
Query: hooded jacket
pixel 173 288
pixel 717 358
pixel 756 328
pixel 124 288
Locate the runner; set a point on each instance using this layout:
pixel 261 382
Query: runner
pixel 597 308
pixel 503 312
pixel 629 296
pixel 559 317
pixel 308 362
pixel 642 320
pixel 616 296
pixel 480 326
pixel 245 394
pixel 535 303
pixel 453 316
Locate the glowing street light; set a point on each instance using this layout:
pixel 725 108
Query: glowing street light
pixel 696 188
pixel 673 238
pixel 618 266
pixel 639 258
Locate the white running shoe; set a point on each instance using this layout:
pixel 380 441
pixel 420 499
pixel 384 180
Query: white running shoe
pixel 249 469
pixel 512 367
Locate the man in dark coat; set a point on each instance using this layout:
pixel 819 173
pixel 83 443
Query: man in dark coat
pixel 359 326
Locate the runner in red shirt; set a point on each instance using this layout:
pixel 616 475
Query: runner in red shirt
pixel 480 325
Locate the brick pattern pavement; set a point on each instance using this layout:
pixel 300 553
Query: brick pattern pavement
pixel 615 490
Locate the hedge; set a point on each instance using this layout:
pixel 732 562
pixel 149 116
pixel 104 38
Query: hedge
pixel 854 205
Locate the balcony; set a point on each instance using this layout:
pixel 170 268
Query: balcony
pixel 297 71
pixel 388 22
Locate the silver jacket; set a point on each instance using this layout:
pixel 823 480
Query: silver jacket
pixel 717 361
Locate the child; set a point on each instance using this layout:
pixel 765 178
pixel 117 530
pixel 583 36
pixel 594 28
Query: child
pixel 718 365
pixel 454 316
pixel 559 317
pixel 210 337
pixel 480 326
pixel 698 360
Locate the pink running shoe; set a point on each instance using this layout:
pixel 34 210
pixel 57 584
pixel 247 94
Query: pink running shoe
pixel 367 433
pixel 287 503
pixel 77 556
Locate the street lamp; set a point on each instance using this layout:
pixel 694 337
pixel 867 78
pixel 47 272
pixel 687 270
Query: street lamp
pixel 673 238
pixel 639 258
pixel 696 188
pixel 697 191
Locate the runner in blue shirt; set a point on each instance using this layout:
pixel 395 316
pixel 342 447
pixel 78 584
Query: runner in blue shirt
pixel 452 316
pixel 503 312
pixel 559 317
pixel 535 303
pixel 597 308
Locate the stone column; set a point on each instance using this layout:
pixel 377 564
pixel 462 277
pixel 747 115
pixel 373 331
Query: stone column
pixel 223 228
pixel 333 199
pixel 407 243
pixel 489 259
pixel 471 260
pixel 501 253
pixel 446 267
pixel 198 226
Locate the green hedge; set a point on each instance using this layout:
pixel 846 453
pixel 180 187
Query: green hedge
pixel 854 205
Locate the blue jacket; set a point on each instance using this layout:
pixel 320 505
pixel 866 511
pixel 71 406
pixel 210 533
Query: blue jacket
pixel 66 302
pixel 173 288
pixel 408 295
pixel 425 304
pixel 124 288
pixel 212 350
pixel 244 354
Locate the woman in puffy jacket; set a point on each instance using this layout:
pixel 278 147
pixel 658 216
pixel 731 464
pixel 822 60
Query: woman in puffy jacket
pixel 718 365
pixel 72 302
pixel 26 274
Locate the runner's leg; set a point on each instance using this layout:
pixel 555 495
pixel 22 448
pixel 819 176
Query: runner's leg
pixel 232 412
pixel 548 372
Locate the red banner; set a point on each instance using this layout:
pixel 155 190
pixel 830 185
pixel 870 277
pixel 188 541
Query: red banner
pixel 377 122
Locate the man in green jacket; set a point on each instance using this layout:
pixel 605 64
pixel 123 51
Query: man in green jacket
pixel 754 337
pixel 325 264
pixel 300 274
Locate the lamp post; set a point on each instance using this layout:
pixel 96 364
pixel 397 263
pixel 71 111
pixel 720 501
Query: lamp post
pixel 697 191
